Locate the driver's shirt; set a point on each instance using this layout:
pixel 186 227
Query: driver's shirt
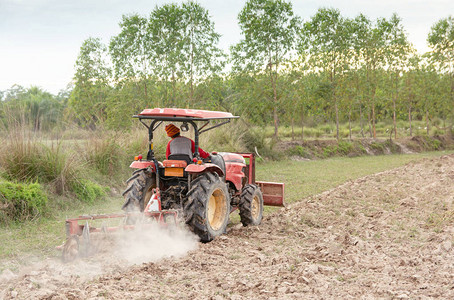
pixel 183 145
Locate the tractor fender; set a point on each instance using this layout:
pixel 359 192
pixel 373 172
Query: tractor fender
pixel 137 164
pixel 208 167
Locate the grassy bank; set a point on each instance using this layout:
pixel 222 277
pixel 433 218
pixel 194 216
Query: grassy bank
pixel 36 239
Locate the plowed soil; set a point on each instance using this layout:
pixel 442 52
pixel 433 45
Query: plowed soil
pixel 388 235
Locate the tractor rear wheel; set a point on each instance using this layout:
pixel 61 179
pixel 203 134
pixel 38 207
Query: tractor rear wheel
pixel 251 205
pixel 207 207
pixel 139 190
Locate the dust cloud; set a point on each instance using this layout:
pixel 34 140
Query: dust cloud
pixel 152 243
pixel 109 253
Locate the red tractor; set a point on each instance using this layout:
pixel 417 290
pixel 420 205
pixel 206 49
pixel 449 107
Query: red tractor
pixel 202 192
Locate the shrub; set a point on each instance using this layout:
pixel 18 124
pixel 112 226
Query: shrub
pixel 88 191
pixel 393 147
pixel 358 149
pixel 255 141
pixel 21 202
pixel 299 150
pixel 377 147
pixel 329 151
pixel 344 147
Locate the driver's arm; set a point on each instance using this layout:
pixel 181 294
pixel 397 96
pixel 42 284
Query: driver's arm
pixel 202 153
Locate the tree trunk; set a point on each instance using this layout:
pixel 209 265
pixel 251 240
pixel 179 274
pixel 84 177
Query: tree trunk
pixel 293 131
pixel 191 79
pixel 369 119
pixel 302 126
pixel 361 120
pixel 394 110
pixel 173 100
pixel 409 120
pixel 452 95
pixel 350 125
pixel 427 122
pixel 276 122
pixel 337 120
pixel 275 116
pixel 374 134
pixel 410 101
pixel 373 116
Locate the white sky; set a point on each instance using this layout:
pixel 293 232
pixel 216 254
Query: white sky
pixel 40 39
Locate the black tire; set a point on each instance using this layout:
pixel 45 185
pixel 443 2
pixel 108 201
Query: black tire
pixel 219 161
pixel 251 205
pixel 138 191
pixel 207 207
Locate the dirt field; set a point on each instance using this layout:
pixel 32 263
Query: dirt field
pixel 388 235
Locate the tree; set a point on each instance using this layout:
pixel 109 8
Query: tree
pixel 369 45
pixel 269 28
pixel 166 29
pixel 396 53
pixel 441 40
pixel 91 90
pixel 130 49
pixel 176 46
pixel 412 87
pixel 35 107
pixel 326 37
pixel 130 52
pixel 202 55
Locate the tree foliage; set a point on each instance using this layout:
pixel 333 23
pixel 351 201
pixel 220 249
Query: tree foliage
pixel 441 40
pixel 282 72
pixel 269 28
pixel 88 100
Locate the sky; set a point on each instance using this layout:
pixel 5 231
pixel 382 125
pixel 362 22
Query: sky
pixel 40 39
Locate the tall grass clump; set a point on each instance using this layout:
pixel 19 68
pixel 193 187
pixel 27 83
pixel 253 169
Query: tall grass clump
pixel 26 159
pixel 136 142
pixel 105 153
pixel 226 138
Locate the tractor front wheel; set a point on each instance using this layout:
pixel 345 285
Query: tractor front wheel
pixel 251 205
pixel 207 207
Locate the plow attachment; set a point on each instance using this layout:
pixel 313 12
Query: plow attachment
pixel 85 239
pixel 273 193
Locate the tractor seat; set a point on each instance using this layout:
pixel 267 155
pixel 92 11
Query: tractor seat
pixel 171 163
pixel 180 157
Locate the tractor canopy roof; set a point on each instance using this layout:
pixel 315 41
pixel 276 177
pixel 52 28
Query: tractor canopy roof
pixel 181 114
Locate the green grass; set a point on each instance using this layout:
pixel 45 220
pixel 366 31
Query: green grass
pixel 38 238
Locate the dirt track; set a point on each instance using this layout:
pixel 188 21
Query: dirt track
pixel 388 235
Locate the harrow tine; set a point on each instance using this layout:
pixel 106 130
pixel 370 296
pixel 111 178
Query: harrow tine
pixel 86 238
pixel 104 228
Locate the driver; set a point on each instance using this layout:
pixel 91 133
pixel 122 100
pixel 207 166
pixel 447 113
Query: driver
pixel 180 144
